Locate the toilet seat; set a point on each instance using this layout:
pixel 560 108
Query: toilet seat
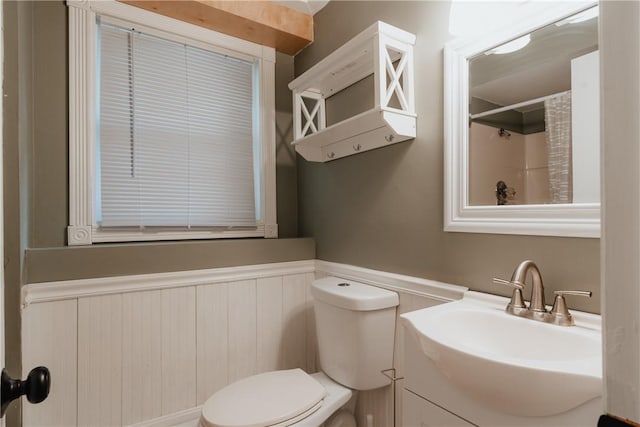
pixel 268 399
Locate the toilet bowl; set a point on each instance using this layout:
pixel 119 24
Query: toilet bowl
pixel 355 325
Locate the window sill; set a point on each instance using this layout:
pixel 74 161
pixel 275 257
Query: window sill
pixel 86 235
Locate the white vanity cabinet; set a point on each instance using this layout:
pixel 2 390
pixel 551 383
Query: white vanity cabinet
pixel 429 399
pixel 419 412
pixel 421 404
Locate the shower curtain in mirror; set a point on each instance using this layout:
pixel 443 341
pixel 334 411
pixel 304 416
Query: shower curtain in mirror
pixel 557 111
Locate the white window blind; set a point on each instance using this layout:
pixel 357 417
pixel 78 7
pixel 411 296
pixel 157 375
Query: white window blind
pixel 176 134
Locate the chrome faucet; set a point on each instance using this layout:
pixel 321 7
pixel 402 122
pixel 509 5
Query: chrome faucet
pixel 537 309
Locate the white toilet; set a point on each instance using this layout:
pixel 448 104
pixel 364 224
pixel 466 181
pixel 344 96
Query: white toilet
pixel 355 324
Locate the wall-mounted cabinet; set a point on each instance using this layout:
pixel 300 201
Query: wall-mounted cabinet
pixel 384 51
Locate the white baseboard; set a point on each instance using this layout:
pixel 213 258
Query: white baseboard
pixel 188 417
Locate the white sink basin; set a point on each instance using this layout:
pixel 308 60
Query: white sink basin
pixel 514 365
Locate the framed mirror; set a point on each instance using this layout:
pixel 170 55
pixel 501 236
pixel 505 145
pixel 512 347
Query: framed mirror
pixel 522 146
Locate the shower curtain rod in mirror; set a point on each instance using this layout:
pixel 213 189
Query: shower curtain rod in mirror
pixel 518 105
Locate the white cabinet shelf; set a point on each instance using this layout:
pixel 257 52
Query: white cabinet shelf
pixel 382 50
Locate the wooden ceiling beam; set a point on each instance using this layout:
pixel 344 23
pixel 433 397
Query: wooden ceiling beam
pixel 263 22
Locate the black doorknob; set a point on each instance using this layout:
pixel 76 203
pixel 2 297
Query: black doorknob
pixel 35 387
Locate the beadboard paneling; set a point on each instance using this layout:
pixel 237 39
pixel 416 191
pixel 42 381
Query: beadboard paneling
pixel 163 345
pixel 150 353
pixel 212 339
pixel 100 361
pixel 141 356
pixel 49 338
pixel 269 324
pixel 312 340
pixel 242 360
pixel 294 303
pixel 178 349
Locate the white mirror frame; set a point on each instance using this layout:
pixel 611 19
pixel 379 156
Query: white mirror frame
pixel 571 220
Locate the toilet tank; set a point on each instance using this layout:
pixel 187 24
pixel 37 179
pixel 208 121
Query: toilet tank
pixel 355 324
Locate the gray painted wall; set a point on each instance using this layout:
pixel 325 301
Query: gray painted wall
pixel 383 209
pixel 44 265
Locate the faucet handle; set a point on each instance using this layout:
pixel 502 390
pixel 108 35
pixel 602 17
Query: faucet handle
pixel 579 293
pixel 516 305
pixel 560 312
pixel 516 285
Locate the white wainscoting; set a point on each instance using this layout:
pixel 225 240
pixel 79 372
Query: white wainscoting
pixel 148 350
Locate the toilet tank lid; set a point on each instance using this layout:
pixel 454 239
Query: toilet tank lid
pixel 352 295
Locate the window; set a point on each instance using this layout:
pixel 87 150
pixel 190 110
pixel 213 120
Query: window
pixel 171 130
pixel 175 130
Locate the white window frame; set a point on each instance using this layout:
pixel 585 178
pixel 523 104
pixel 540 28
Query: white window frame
pixel 83 228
